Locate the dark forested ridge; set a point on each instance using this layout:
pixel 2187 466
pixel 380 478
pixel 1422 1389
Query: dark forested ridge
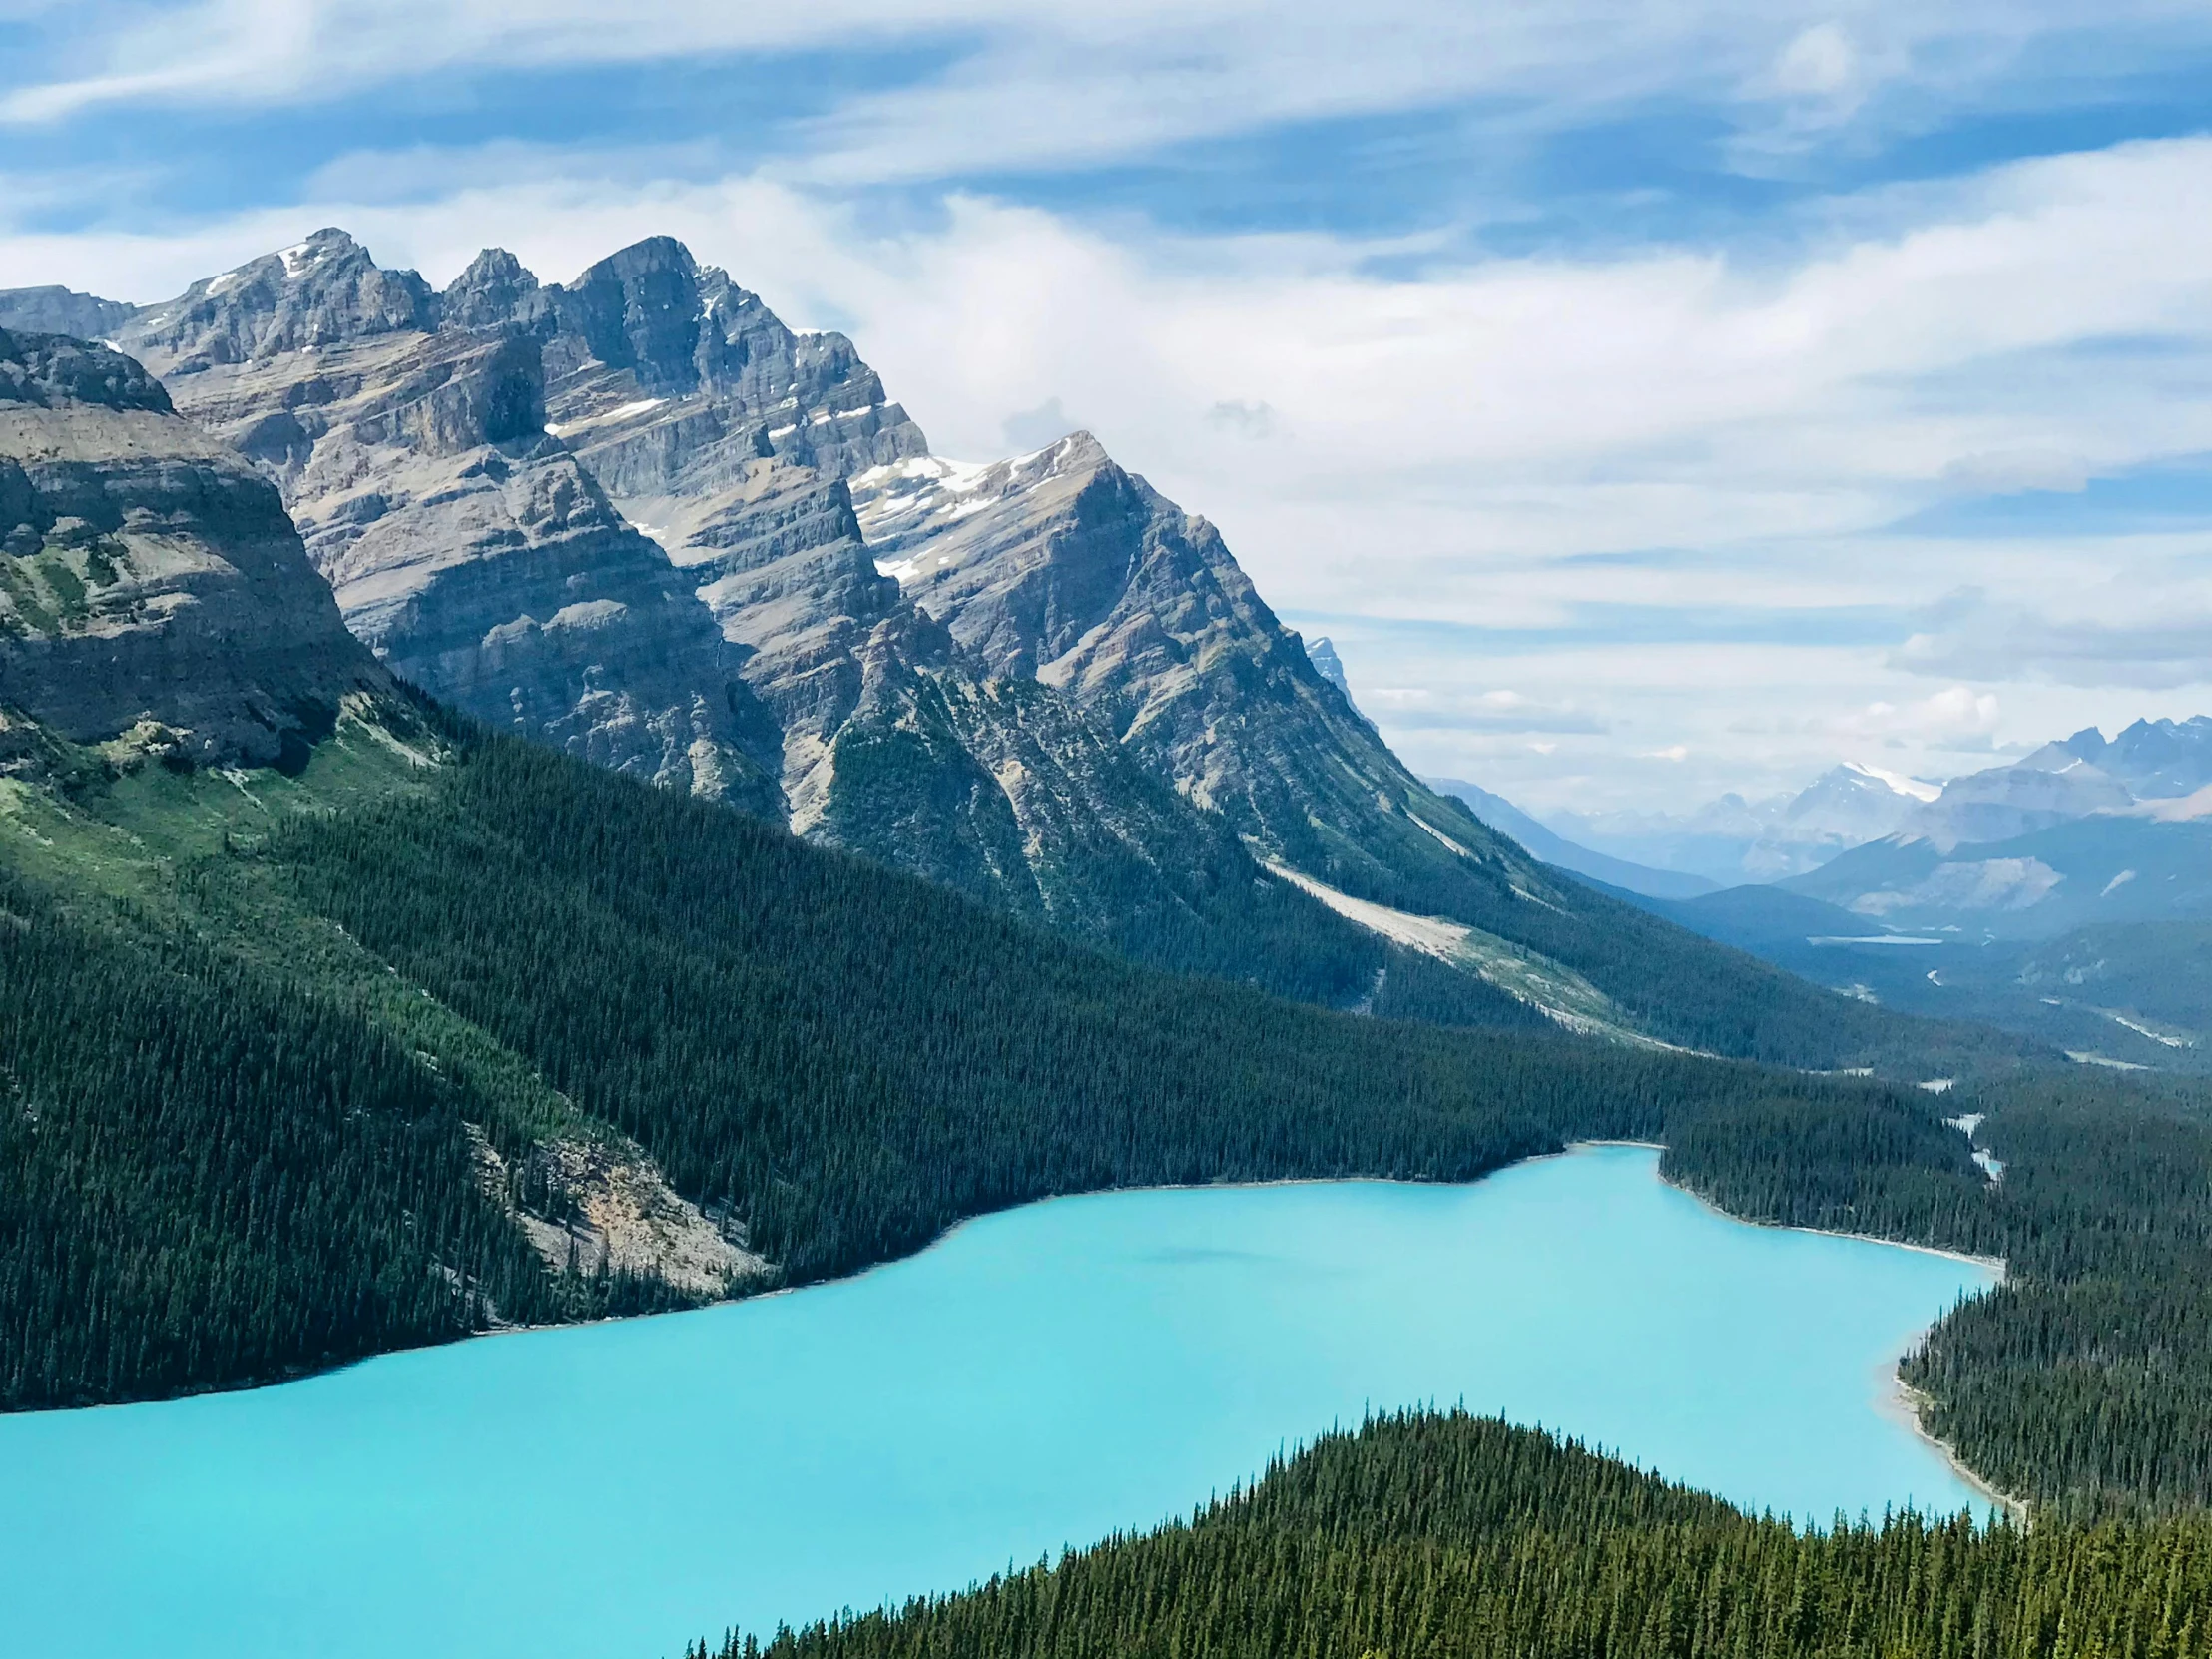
pixel 1459 1535
pixel 252 1048
pixel 854 1060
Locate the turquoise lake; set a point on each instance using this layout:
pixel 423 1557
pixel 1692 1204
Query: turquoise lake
pixel 1037 1378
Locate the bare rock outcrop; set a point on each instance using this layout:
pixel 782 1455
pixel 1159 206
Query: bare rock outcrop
pixel 466 545
pixel 1063 567
pixel 150 580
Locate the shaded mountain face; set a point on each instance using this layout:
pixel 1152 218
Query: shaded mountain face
pixel 472 550
pixel 60 311
pixel 151 590
pixel 2151 761
pixel 2157 760
pixel 612 516
pixel 1060 566
pixel 2003 802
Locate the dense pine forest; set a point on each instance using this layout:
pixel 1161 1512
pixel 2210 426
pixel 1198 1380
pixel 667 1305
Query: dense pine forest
pixel 854 1060
pixel 193 1161
pixel 243 1090
pixel 1426 1536
pixel 259 1043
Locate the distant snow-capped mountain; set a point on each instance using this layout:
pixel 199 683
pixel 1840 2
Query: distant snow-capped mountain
pixel 1733 841
pixel 2151 761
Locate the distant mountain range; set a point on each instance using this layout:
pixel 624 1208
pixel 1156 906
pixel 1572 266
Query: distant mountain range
pixel 1731 841
pixel 2066 896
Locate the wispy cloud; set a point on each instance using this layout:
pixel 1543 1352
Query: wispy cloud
pixel 1678 490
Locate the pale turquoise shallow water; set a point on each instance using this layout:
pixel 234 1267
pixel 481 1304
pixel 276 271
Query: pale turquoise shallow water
pixel 1041 1378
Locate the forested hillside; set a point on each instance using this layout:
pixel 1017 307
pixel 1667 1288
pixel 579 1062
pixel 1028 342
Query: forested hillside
pixel 1459 1535
pixel 448 971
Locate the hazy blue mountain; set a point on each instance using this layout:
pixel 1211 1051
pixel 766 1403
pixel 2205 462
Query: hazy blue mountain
pixel 2112 868
pixel 1553 848
pixel 1732 840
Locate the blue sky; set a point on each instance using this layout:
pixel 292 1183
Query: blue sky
pixel 1649 400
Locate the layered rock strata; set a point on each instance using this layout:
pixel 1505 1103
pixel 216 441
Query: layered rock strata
pixel 151 584
pixel 1063 567
pixel 465 544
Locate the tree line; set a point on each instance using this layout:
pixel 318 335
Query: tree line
pixel 1425 1536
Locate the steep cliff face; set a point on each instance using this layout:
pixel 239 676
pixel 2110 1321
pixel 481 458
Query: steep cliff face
pixel 729 438
pixel 667 378
pixel 638 517
pixel 151 587
pixel 1062 566
pixel 58 310
pixel 465 545
pixel 613 514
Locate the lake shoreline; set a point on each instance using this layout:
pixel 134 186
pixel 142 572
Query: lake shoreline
pixel 1903 1403
pixel 1900 1401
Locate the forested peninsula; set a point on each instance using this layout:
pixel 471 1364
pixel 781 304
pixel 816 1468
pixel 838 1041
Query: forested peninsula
pixel 1462 1535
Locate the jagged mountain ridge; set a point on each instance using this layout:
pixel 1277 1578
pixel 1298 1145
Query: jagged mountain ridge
pixel 472 550
pixel 438 450
pixel 1064 566
pixel 1732 840
pixel 151 590
pixel 1109 608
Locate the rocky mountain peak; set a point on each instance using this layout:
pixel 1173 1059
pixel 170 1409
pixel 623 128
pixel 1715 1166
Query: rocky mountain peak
pixel 639 310
pixel 324 291
pixel 494 289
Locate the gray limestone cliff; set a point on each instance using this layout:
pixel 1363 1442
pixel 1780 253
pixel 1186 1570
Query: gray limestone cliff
pixel 730 438
pixel 638 517
pixel 614 514
pixel 151 588
pixel 465 544
pixel 1064 567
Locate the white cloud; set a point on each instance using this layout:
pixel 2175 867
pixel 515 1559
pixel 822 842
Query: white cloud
pixel 2013 471
pixel 1820 62
pixel 1445 445
pixel 1029 86
pixel 1957 717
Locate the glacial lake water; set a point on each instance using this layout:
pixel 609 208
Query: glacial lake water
pixel 1037 1378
